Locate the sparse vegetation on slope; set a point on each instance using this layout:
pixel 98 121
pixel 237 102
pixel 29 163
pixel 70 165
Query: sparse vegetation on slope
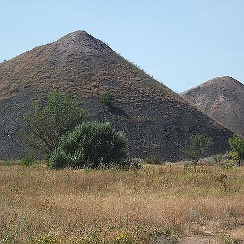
pixel 156 121
pixel 222 98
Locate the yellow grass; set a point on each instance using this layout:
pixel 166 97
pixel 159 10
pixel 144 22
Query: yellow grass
pixel 39 205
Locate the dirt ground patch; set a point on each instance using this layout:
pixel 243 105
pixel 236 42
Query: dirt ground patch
pixel 234 236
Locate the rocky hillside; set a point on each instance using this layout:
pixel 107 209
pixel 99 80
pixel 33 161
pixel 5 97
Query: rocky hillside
pixel 156 120
pixel 222 98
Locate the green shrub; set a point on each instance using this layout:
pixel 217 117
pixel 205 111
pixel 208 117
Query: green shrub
pixel 152 160
pixel 237 146
pixel 27 160
pixel 107 99
pixel 218 158
pixel 90 145
pixel 135 163
pixel 8 162
pixel 227 164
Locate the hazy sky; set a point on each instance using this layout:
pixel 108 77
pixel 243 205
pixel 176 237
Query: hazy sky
pixel 182 43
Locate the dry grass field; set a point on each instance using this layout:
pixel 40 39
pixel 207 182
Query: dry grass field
pixel 155 204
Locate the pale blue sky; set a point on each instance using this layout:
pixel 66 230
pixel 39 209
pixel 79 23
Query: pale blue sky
pixel 182 43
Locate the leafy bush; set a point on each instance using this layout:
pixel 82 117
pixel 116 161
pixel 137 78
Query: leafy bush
pixel 8 162
pixel 218 158
pixel 227 164
pixel 237 146
pixel 152 160
pixel 27 160
pixel 107 99
pixel 90 145
pixel 136 163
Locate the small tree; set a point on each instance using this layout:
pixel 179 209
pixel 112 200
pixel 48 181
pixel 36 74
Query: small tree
pixel 90 145
pixel 237 146
pixel 46 124
pixel 198 146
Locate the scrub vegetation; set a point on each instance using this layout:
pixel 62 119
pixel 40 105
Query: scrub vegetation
pixel 146 205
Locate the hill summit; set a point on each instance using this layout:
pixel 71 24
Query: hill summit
pixel 222 98
pixel 156 121
pixel 81 41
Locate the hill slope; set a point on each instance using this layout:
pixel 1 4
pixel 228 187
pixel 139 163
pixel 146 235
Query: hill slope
pixel 155 120
pixel 222 98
